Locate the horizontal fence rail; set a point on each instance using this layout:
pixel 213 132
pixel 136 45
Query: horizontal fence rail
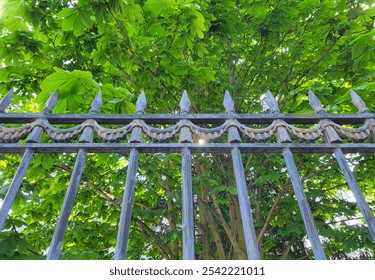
pixel 358 118
pixel 177 147
pixel 233 133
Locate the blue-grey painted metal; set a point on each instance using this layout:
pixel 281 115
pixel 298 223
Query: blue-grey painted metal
pixel 358 102
pixel 12 148
pixel 15 186
pixel 35 136
pixel 331 136
pixel 128 198
pixel 75 178
pixel 5 101
pixel 245 208
pixel 353 185
pixel 283 137
pixel 304 207
pixel 58 236
pixel 252 248
pixel 127 207
pixel 352 182
pixel 187 129
pixel 187 207
pixel 187 186
pixel 315 103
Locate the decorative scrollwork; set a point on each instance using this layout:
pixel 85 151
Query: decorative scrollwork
pixel 112 134
pixel 257 134
pixel 354 134
pixel 209 134
pixel 305 134
pixel 62 135
pixel 13 135
pixel 159 134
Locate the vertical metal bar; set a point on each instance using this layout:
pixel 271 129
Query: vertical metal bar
pixel 353 185
pixel 243 195
pixel 35 136
pixel 20 173
pixel 15 186
pixel 304 206
pixel 5 101
pixel 187 186
pixel 244 201
pixel 71 192
pixel 126 209
pixel 187 206
pixel 352 182
pixel 58 236
pixel 128 198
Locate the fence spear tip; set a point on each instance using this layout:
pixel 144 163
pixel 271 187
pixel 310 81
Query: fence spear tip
pixel 228 102
pixel 358 102
pixel 5 101
pixel 185 102
pixel 271 102
pixel 51 102
pixel 141 103
pixel 315 103
pixel 97 103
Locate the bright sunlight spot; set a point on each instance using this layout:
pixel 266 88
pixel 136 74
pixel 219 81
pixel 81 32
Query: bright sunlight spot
pixel 201 141
pixel 122 162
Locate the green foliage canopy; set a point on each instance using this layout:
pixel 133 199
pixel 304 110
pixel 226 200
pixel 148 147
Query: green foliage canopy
pixel 163 47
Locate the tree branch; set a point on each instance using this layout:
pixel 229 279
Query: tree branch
pixel 158 242
pixel 286 252
pixel 128 77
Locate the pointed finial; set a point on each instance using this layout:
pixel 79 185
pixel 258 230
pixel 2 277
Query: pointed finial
pixel 141 103
pixel 315 103
pixel 228 102
pixel 96 103
pixel 273 107
pixel 5 101
pixel 358 102
pixel 51 102
pixel 185 103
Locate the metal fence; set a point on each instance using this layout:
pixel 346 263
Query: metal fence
pixel 189 128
